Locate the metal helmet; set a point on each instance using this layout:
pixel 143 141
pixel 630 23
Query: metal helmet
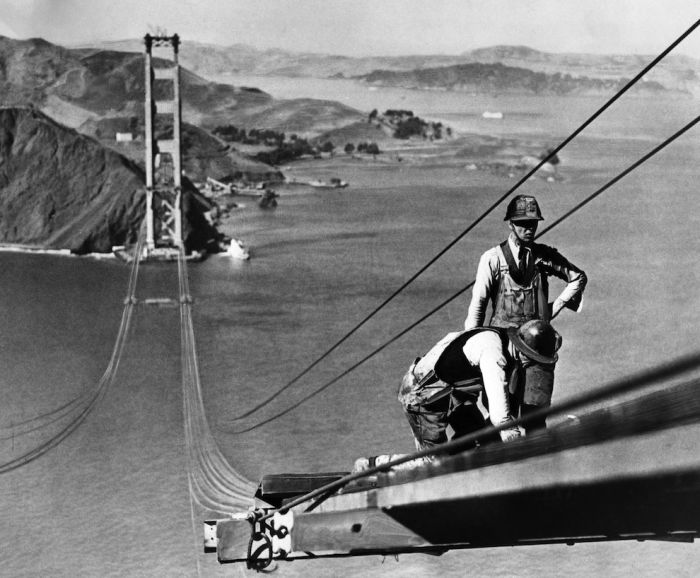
pixel 523 208
pixel 536 339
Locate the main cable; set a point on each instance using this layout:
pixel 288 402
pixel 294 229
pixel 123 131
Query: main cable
pixel 558 221
pixel 622 386
pixel 213 482
pixel 551 153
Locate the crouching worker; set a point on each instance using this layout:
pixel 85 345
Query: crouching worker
pixel 439 392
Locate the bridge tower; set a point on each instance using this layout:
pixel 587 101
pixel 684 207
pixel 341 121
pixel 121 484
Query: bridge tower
pixel 163 158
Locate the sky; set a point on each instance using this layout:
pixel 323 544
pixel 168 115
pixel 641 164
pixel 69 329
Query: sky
pixel 368 27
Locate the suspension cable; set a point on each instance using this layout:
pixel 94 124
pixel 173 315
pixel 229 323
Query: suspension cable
pixel 616 388
pixel 551 153
pixel 47 418
pixel 580 205
pixel 213 482
pixel 92 396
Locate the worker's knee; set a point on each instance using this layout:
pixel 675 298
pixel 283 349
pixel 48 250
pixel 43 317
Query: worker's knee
pixel 429 427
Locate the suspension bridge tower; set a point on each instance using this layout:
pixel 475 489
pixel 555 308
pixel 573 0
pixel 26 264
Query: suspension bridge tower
pixel 163 158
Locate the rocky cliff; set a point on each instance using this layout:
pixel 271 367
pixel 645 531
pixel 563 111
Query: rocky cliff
pixel 63 190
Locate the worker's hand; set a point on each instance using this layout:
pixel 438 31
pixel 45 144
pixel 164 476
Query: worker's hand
pixel 510 434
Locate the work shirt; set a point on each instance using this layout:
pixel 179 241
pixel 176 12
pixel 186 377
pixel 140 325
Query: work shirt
pixel 548 261
pixel 485 349
pixel 484 352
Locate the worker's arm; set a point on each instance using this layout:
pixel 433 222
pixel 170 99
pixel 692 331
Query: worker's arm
pixel 555 264
pixel 486 275
pixel 486 351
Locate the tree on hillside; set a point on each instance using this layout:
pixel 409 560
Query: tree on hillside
pixel 409 127
pixel 373 149
pixel 349 148
pixel 373 115
pixel 327 147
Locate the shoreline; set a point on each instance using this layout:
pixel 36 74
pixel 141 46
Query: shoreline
pixel 34 250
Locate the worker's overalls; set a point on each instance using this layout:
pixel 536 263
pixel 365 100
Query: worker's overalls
pixel 521 297
pixel 440 390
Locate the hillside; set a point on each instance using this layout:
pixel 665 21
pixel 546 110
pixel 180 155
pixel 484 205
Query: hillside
pixel 28 67
pixel 62 190
pixel 675 72
pixel 304 116
pixel 203 155
pixel 500 79
pixel 361 131
pixel 81 84
pixel 109 82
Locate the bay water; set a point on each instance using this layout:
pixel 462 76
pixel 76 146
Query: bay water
pixel 112 499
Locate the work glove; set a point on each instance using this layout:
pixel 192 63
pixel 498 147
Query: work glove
pixel 508 435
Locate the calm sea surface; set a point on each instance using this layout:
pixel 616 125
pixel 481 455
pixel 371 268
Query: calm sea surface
pixel 112 499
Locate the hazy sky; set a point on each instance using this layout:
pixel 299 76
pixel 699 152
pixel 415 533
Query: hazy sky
pixel 368 27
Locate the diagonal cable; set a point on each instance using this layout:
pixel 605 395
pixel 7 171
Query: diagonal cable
pixel 580 205
pixel 551 154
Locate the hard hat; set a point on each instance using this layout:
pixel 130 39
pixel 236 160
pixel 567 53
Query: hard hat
pixel 537 339
pixel 523 208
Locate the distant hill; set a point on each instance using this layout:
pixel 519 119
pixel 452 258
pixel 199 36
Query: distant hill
pixel 97 80
pixel 361 131
pixel 209 104
pixel 297 115
pixel 28 67
pixel 500 79
pixel 108 82
pixel 79 84
pixel 675 72
pixel 63 190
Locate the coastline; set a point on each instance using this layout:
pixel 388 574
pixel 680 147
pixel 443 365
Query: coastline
pixel 36 250
pixel 22 248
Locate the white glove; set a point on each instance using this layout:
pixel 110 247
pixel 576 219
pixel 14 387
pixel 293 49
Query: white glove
pixel 508 435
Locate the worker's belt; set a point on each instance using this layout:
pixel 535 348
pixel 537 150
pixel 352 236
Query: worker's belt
pixel 431 381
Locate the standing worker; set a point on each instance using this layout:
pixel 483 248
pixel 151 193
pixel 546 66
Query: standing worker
pixel 513 277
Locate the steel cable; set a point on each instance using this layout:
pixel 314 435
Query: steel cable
pixel 545 159
pixel 90 398
pixel 214 484
pixel 619 387
pixel 580 205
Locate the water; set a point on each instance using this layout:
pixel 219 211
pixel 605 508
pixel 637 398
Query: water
pixel 551 117
pixel 112 500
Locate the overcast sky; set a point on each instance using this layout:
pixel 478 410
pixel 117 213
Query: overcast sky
pixel 368 27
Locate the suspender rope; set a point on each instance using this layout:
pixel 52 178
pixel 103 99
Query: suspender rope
pixel 517 185
pixel 580 205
